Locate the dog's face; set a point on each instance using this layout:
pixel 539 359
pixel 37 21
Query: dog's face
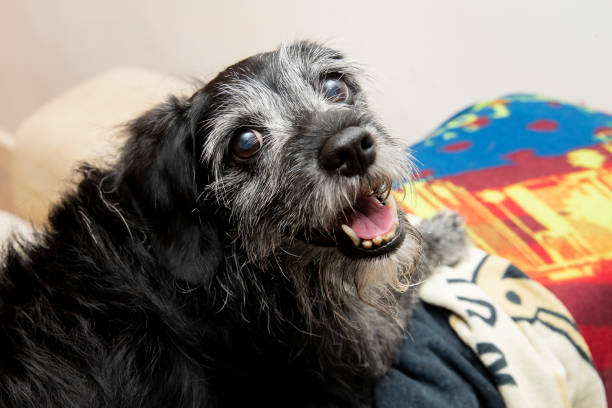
pixel 284 145
pixel 296 155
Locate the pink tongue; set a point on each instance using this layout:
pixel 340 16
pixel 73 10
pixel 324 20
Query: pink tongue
pixel 371 218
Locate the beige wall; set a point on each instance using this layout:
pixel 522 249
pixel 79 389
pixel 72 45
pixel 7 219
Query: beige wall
pixel 427 58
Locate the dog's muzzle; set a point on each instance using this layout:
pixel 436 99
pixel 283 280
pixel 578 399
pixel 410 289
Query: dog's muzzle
pixel 371 226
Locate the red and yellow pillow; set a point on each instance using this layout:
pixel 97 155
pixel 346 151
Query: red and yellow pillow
pixel 533 179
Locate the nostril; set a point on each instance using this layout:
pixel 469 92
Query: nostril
pixel 367 142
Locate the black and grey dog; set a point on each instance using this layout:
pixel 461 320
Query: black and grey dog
pixel 243 251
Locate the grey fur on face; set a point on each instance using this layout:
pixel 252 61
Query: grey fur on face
pixel 283 194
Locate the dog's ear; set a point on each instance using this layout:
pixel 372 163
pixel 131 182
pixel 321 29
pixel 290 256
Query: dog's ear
pixel 159 173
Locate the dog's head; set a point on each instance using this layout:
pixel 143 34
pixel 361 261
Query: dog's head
pixel 278 154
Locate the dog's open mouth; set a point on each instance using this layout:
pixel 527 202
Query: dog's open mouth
pixel 370 228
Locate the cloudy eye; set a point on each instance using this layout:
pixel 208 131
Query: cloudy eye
pixel 246 142
pixel 334 89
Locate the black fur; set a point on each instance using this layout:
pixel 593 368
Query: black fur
pixel 138 293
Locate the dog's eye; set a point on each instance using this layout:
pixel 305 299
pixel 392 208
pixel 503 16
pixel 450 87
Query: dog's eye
pixel 334 89
pixel 246 142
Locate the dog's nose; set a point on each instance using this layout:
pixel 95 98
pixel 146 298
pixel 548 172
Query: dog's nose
pixel 348 152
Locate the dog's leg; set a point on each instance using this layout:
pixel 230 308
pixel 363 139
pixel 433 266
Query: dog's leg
pixel 444 238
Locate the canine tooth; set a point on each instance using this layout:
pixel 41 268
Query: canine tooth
pixel 392 203
pixel 367 244
pixel 352 235
pixel 378 240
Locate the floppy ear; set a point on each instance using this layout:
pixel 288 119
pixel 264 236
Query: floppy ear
pixel 158 174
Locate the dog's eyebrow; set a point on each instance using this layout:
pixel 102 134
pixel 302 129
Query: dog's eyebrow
pixel 344 69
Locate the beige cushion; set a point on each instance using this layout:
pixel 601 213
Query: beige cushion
pixel 6 146
pixel 81 124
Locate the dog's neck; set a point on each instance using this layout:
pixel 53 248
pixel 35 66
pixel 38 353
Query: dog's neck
pixel 292 328
pixel 312 302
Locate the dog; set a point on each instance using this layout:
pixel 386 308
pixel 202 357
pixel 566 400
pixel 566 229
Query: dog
pixel 244 249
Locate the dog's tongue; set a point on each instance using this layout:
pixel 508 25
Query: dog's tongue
pixel 371 218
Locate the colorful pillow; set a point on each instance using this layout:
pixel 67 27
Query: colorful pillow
pixel 533 178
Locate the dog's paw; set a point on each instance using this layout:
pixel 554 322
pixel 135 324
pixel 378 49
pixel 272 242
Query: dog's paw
pixel 444 238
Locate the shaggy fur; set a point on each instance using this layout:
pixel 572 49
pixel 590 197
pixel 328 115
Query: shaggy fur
pixel 181 277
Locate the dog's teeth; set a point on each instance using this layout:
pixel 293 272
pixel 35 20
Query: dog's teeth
pixel 378 240
pixel 389 236
pixel 352 235
pixel 367 244
pixel 392 203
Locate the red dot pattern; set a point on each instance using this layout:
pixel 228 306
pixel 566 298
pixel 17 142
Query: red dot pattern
pixel 543 125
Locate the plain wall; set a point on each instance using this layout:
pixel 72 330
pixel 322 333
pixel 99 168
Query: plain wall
pixel 426 59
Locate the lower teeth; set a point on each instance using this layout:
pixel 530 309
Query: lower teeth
pixel 368 244
pixel 389 235
pixel 378 240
